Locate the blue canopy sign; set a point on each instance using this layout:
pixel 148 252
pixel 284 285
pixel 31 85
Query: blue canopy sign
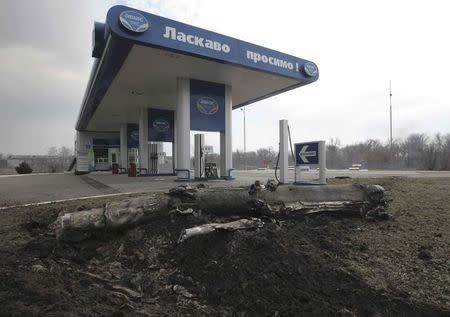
pixel 207 106
pixel 160 125
pixel 126 27
pixel 196 41
pixel 132 135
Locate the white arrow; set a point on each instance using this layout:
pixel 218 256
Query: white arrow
pixel 304 154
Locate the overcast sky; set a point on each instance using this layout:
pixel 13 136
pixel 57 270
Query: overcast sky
pixel 45 60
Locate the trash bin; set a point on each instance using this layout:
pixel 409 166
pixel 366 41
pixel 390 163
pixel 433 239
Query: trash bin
pixel 132 170
pixel 115 168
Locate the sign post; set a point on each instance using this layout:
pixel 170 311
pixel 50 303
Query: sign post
pixel 311 154
pixel 283 150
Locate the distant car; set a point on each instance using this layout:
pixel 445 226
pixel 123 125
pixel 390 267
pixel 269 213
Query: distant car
pixel 355 167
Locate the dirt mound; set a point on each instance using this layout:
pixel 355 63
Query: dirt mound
pixel 314 266
pixel 292 270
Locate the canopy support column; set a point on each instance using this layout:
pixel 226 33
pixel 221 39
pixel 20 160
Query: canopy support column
pixel 143 139
pixel 84 152
pixel 226 151
pixel 183 129
pixel 123 146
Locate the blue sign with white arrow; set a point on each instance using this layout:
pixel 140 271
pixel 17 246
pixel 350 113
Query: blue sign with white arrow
pixel 307 153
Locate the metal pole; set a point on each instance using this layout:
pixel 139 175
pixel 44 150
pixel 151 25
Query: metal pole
pixel 245 142
pixel 322 163
pixel 283 151
pixel 390 112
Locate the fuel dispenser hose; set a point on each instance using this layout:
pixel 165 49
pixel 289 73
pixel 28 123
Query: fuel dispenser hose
pixel 278 157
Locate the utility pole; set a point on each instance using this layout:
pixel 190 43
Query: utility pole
pixel 390 112
pixel 390 125
pixel 245 142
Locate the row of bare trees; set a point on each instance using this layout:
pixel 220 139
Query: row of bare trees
pixel 261 158
pixel 417 151
pixel 56 160
pixel 59 159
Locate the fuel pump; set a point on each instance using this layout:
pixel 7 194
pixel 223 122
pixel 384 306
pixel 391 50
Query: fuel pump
pixel 202 168
pixel 153 166
pixel 133 156
pixel 199 156
pixel 133 161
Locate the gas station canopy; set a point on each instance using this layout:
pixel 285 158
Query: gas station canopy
pixel 139 56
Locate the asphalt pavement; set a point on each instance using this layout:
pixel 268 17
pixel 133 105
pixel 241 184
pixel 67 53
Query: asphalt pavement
pixel 35 188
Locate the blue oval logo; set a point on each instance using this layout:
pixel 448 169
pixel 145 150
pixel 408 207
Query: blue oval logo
pixel 134 21
pixel 207 105
pixel 134 135
pixel 161 125
pixel 310 69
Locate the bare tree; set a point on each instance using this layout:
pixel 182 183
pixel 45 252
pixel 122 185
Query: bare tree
pixel 52 151
pixel 413 149
pixel 445 161
pixel 266 157
pixel 334 154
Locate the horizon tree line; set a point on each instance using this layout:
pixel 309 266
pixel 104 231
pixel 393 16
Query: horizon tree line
pixel 415 152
